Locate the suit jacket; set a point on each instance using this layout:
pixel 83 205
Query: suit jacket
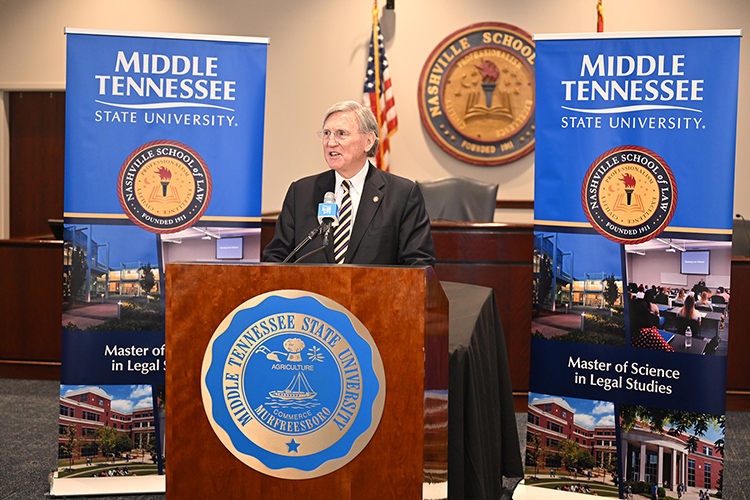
pixel 392 226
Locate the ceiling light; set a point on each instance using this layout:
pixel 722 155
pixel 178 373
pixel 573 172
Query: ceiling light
pixel 207 235
pixel 672 246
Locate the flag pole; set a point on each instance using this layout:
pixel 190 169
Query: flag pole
pixel 376 56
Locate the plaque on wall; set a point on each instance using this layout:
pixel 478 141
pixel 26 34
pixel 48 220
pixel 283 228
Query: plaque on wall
pixel 476 94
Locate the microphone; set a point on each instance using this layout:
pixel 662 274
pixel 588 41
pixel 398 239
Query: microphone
pixel 328 215
pixel 744 224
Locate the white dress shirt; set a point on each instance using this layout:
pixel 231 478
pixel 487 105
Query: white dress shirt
pixel 357 185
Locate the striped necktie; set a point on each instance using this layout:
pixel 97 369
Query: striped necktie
pixel 341 235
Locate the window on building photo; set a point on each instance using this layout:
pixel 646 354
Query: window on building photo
pixel 691 472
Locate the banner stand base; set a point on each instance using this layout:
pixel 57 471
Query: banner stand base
pixel 80 486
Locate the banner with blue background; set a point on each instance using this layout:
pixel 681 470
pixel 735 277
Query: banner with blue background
pixel 163 158
pixel 633 205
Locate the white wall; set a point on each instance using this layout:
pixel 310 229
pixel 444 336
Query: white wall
pixel 317 57
pixel 648 269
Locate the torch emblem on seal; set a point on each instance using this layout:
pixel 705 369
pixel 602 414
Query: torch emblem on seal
pixel 629 182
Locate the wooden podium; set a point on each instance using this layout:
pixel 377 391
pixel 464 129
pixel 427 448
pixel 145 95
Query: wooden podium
pixel 405 311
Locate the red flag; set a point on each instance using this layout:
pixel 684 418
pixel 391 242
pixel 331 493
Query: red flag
pixel 599 17
pixel 378 93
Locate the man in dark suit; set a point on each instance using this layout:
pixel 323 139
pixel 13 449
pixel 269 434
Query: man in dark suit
pixel 387 222
pixel 661 297
pixel 699 288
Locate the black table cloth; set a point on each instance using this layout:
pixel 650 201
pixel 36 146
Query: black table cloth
pixel 484 458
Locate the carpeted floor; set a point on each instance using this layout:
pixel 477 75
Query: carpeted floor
pixel 29 426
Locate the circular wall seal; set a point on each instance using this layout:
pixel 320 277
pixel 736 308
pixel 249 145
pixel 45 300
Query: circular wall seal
pixel 164 186
pixel 293 384
pixel 476 94
pixel 629 194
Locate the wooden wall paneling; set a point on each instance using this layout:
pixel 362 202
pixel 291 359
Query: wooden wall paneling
pixel 37 161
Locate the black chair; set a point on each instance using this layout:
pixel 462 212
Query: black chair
pixel 661 299
pixel 717 299
pixel 683 323
pixel 704 308
pixel 712 346
pixel 459 199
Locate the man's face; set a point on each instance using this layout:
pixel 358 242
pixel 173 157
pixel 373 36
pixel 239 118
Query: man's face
pixel 345 148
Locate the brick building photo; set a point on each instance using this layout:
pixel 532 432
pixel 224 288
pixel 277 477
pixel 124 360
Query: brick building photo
pixel 85 413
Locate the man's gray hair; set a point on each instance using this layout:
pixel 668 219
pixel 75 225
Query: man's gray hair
pixel 365 119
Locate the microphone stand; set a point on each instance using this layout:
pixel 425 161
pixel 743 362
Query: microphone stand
pixel 307 240
pixel 311 253
pixel 326 233
pixel 325 229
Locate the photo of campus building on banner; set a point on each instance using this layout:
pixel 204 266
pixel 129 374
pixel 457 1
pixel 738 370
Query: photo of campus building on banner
pixel 668 461
pixel 111 279
pixel 102 434
pixel 569 449
pixel 577 289
pixel 576 450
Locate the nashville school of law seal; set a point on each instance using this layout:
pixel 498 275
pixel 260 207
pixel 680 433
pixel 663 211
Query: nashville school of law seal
pixel 476 94
pixel 164 187
pixel 629 194
pixel 293 384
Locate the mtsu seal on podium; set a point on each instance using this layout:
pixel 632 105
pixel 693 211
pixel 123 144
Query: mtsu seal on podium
pixel 293 384
pixel 629 194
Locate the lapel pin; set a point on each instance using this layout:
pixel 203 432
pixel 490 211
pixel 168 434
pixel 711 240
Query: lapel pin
pixel 375 199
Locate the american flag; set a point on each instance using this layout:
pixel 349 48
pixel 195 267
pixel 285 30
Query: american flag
pixel 378 93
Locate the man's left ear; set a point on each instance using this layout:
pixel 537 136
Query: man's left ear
pixel 370 141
